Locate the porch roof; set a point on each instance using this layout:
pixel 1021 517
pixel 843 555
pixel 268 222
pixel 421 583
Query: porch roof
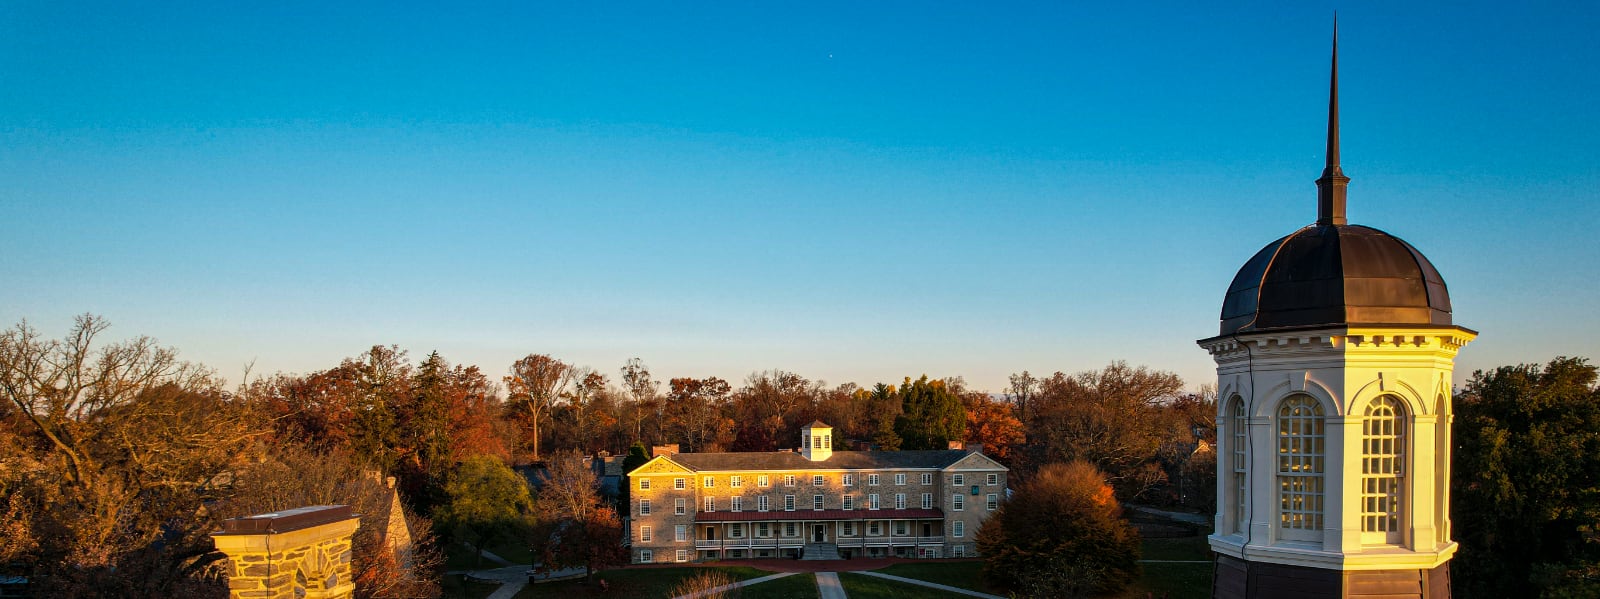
pixel 814 515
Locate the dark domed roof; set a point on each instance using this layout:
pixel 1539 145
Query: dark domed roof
pixel 1335 274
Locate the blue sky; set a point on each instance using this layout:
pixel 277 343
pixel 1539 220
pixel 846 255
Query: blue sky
pixel 856 192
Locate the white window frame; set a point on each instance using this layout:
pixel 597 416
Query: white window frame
pixel 873 529
pixel 763 481
pixel 710 504
pixel 736 531
pixel 680 506
pixel 645 534
pixel 708 481
pixel 788 503
pixel 788 480
pixel 1241 464
pixel 644 507
pixel 900 478
pixel 872 501
pixel 927 501
pixel 683 555
pixel 646 556
pixel 736 481
pixel 1383 476
pixel 817 480
pixel 899 501
pixel 847 479
pixel 763 530
pixel 900 528
pixel 992 502
pixel 957 479
pixel 761 503
pixel 644 484
pixel 958 503
pixel 958 529
pixel 680 483
pixel 991 479
pixel 738 504
pixel 680 533
pixel 817 502
pixel 1301 468
pixel 848 530
pixel 849 502
pixel 927 478
pixel 872 480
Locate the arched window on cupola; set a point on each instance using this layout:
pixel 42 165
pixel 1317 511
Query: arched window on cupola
pixel 1301 456
pixel 1383 466
pixel 1239 443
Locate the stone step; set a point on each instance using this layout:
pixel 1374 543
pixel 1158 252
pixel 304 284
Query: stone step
pixel 820 551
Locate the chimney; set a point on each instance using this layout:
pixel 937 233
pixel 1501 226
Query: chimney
pixel 661 450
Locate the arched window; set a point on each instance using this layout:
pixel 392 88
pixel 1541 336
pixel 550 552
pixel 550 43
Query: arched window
pixel 1383 453
pixel 1300 466
pixel 1241 464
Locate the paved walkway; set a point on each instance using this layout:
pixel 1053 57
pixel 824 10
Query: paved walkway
pixel 828 586
pixel 742 583
pixel 942 587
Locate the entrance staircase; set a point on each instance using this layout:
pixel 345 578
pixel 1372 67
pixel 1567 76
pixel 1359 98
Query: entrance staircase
pixel 820 551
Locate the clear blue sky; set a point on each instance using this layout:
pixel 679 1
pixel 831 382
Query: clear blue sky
pixel 853 191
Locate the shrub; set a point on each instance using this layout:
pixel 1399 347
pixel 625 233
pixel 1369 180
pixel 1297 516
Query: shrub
pixel 1061 535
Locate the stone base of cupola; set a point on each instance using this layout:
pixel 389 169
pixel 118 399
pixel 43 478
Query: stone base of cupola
pixel 1234 578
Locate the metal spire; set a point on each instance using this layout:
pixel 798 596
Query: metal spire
pixel 1331 187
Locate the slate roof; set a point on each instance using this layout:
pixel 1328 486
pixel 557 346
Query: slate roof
pixel 840 460
pixel 933 514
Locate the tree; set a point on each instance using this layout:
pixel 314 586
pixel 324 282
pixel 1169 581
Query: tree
pixel 931 415
pixel 637 456
pixel 1525 478
pixel 694 414
pixel 111 453
pixel 993 424
pixel 642 390
pixel 486 501
pixel 1060 535
pixel 1110 417
pixel 575 528
pixel 883 409
pixel 535 384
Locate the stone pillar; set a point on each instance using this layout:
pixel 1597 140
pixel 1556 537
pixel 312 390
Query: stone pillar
pixel 290 554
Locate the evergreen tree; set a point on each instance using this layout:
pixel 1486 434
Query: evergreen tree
pixel 931 415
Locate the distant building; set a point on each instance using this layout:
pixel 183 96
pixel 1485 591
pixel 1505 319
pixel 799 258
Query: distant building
pixel 1334 363
pixel 815 502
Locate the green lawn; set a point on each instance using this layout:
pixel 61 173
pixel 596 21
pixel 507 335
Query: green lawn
pixel 861 586
pixel 644 583
pixel 1181 548
pixel 963 574
pixel 794 586
pixel 459 556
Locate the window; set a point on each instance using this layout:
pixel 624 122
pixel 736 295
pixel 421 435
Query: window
pixel 708 482
pixel 736 531
pixel 1300 454
pixel 927 478
pixel 873 529
pixel 872 501
pixel 927 501
pixel 900 528
pixel 849 530
pixel 847 479
pixel 761 503
pixel 991 502
pixel 816 502
pixel 899 501
pixel 958 551
pixel 788 480
pixel 872 480
pixel 816 441
pixel 788 503
pixel 683 555
pixel 680 483
pixel 816 480
pixel 680 532
pixel 680 506
pixel 991 479
pixel 761 481
pixel 644 507
pixel 957 502
pixel 738 504
pixel 899 479
pixel 958 529
pixel 644 484
pixel 849 502
pixel 644 534
pixel 1241 507
pixel 736 481
pixel 711 504
pixel 958 480
pixel 647 556
pixel 790 529
pixel 1382 470
pixel 763 530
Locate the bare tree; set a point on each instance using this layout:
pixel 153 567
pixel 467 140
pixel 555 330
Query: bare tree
pixel 536 383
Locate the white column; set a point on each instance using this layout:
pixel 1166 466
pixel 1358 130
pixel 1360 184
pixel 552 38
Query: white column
pixel 1422 483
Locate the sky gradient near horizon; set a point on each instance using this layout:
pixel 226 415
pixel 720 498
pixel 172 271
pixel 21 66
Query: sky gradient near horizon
pixel 855 192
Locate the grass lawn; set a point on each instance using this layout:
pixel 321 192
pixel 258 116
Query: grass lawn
pixel 963 574
pixel 861 586
pixel 794 586
pixel 458 556
pixel 644 583
pixel 1181 548
pixel 453 587
pixel 1177 581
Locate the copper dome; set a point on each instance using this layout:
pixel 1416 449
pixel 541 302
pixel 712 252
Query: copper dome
pixel 1328 275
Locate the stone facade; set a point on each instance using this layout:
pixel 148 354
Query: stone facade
pixel 290 554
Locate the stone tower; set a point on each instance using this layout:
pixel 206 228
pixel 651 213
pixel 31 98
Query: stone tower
pixel 1334 363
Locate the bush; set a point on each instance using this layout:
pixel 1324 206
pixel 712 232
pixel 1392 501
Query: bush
pixel 1061 535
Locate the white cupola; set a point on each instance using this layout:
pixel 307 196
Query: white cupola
pixel 816 441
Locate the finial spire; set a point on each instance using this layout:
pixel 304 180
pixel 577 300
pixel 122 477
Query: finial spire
pixel 1331 187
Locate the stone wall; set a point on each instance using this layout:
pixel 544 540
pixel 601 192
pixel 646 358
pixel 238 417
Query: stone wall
pixel 303 552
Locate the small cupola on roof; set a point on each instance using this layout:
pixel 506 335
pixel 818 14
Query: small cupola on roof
pixel 1333 273
pixel 816 441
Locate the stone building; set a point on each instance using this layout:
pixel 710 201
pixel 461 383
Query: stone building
pixel 815 502
pixel 1334 363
